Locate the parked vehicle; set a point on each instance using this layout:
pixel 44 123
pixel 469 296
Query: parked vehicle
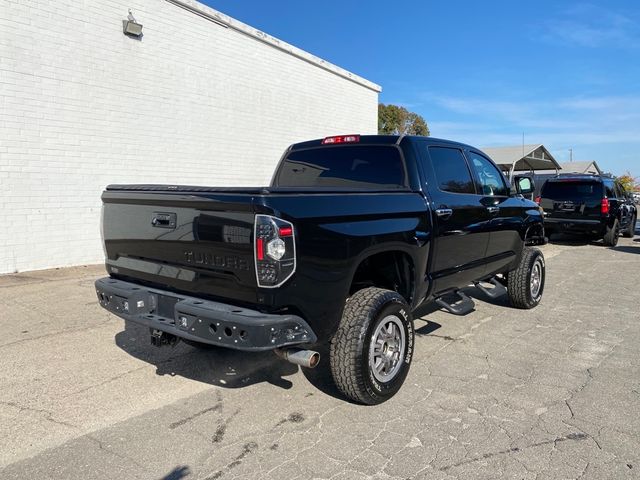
pixel 352 235
pixel 588 205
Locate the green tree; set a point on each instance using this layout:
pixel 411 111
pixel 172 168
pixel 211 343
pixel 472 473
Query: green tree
pixel 395 120
pixel 627 182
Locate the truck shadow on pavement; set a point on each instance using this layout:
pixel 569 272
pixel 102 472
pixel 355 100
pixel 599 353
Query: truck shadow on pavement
pixel 223 367
pixel 627 249
pixel 573 240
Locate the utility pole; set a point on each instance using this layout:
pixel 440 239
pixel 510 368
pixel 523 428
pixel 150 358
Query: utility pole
pixel 571 154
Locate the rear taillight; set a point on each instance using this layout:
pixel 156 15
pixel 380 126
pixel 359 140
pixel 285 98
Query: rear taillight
pixel 604 206
pixel 538 200
pixel 275 255
pixel 341 139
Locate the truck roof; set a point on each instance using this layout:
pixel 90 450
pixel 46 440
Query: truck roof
pixel 573 177
pixel 374 140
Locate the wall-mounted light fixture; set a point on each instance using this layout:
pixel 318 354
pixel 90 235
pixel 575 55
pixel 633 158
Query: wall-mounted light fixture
pixel 131 27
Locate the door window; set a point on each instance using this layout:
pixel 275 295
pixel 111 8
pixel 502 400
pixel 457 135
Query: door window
pixel 451 170
pixel 609 189
pixel 491 182
pixel 618 191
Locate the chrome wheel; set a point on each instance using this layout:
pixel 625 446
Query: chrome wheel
pixel 387 349
pixel 536 278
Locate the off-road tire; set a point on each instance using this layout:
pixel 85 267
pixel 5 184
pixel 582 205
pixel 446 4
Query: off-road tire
pixel 364 311
pixel 610 238
pixel 519 284
pixel 630 231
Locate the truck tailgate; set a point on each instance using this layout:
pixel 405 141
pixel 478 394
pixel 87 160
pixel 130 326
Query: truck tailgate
pixel 194 240
pixel 572 200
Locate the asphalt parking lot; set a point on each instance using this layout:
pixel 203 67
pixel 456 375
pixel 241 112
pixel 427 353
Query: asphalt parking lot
pixel 548 393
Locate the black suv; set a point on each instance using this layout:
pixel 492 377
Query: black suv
pixel 588 205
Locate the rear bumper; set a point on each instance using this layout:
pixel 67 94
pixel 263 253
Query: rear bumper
pixel 595 227
pixel 201 320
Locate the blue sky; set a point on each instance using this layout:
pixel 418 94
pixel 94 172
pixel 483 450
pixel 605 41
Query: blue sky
pixel 567 74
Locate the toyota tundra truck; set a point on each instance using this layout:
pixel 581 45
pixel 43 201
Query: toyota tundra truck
pixel 352 235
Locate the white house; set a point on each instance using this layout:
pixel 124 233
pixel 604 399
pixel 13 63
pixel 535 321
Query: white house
pixel 199 98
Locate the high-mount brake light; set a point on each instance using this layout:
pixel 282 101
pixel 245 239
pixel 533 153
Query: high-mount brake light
pixel 275 245
pixel 341 139
pixel 604 206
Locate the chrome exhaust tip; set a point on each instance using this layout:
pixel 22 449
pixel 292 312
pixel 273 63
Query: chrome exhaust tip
pixel 297 356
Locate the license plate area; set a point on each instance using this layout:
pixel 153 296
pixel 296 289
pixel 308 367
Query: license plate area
pixel 166 306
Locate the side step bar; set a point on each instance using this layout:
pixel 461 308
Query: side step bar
pixel 497 291
pixel 463 304
pixel 461 307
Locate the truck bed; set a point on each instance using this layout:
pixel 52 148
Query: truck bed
pixel 206 247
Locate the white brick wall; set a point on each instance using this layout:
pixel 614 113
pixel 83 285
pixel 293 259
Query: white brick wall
pixel 193 102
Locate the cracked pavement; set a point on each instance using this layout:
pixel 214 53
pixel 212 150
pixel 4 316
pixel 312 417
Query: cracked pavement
pixel 548 393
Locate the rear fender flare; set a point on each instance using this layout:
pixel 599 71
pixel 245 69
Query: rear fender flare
pixel 389 248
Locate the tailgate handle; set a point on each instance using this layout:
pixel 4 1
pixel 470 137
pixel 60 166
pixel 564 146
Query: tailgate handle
pixel 163 220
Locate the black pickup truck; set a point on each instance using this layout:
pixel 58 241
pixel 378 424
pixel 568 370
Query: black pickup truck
pixel 593 206
pixel 351 236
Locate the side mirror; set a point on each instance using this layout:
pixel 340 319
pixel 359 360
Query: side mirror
pixel 524 185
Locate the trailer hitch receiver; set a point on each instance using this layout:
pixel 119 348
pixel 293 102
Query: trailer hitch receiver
pixel 160 338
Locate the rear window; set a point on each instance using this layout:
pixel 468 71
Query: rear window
pixel 571 190
pixel 356 166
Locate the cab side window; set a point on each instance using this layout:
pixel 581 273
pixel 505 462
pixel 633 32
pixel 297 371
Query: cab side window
pixel 609 189
pixel 618 191
pixel 451 170
pixel 491 181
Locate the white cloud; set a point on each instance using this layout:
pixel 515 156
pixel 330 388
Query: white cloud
pixel 582 123
pixel 588 25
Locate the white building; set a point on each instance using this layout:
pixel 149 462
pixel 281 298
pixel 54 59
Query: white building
pixel 200 98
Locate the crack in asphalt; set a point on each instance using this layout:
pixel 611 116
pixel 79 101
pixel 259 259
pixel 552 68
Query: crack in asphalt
pixel 220 432
pixel 48 415
pixel 247 449
pixel 554 442
pixel 101 324
pixel 215 408
pixel 119 455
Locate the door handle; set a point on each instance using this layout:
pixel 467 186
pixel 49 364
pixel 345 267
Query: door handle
pixel 444 213
pixel 493 210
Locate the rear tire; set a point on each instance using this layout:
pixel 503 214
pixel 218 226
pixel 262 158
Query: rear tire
pixel 371 352
pixel 630 231
pixel 525 284
pixel 611 234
